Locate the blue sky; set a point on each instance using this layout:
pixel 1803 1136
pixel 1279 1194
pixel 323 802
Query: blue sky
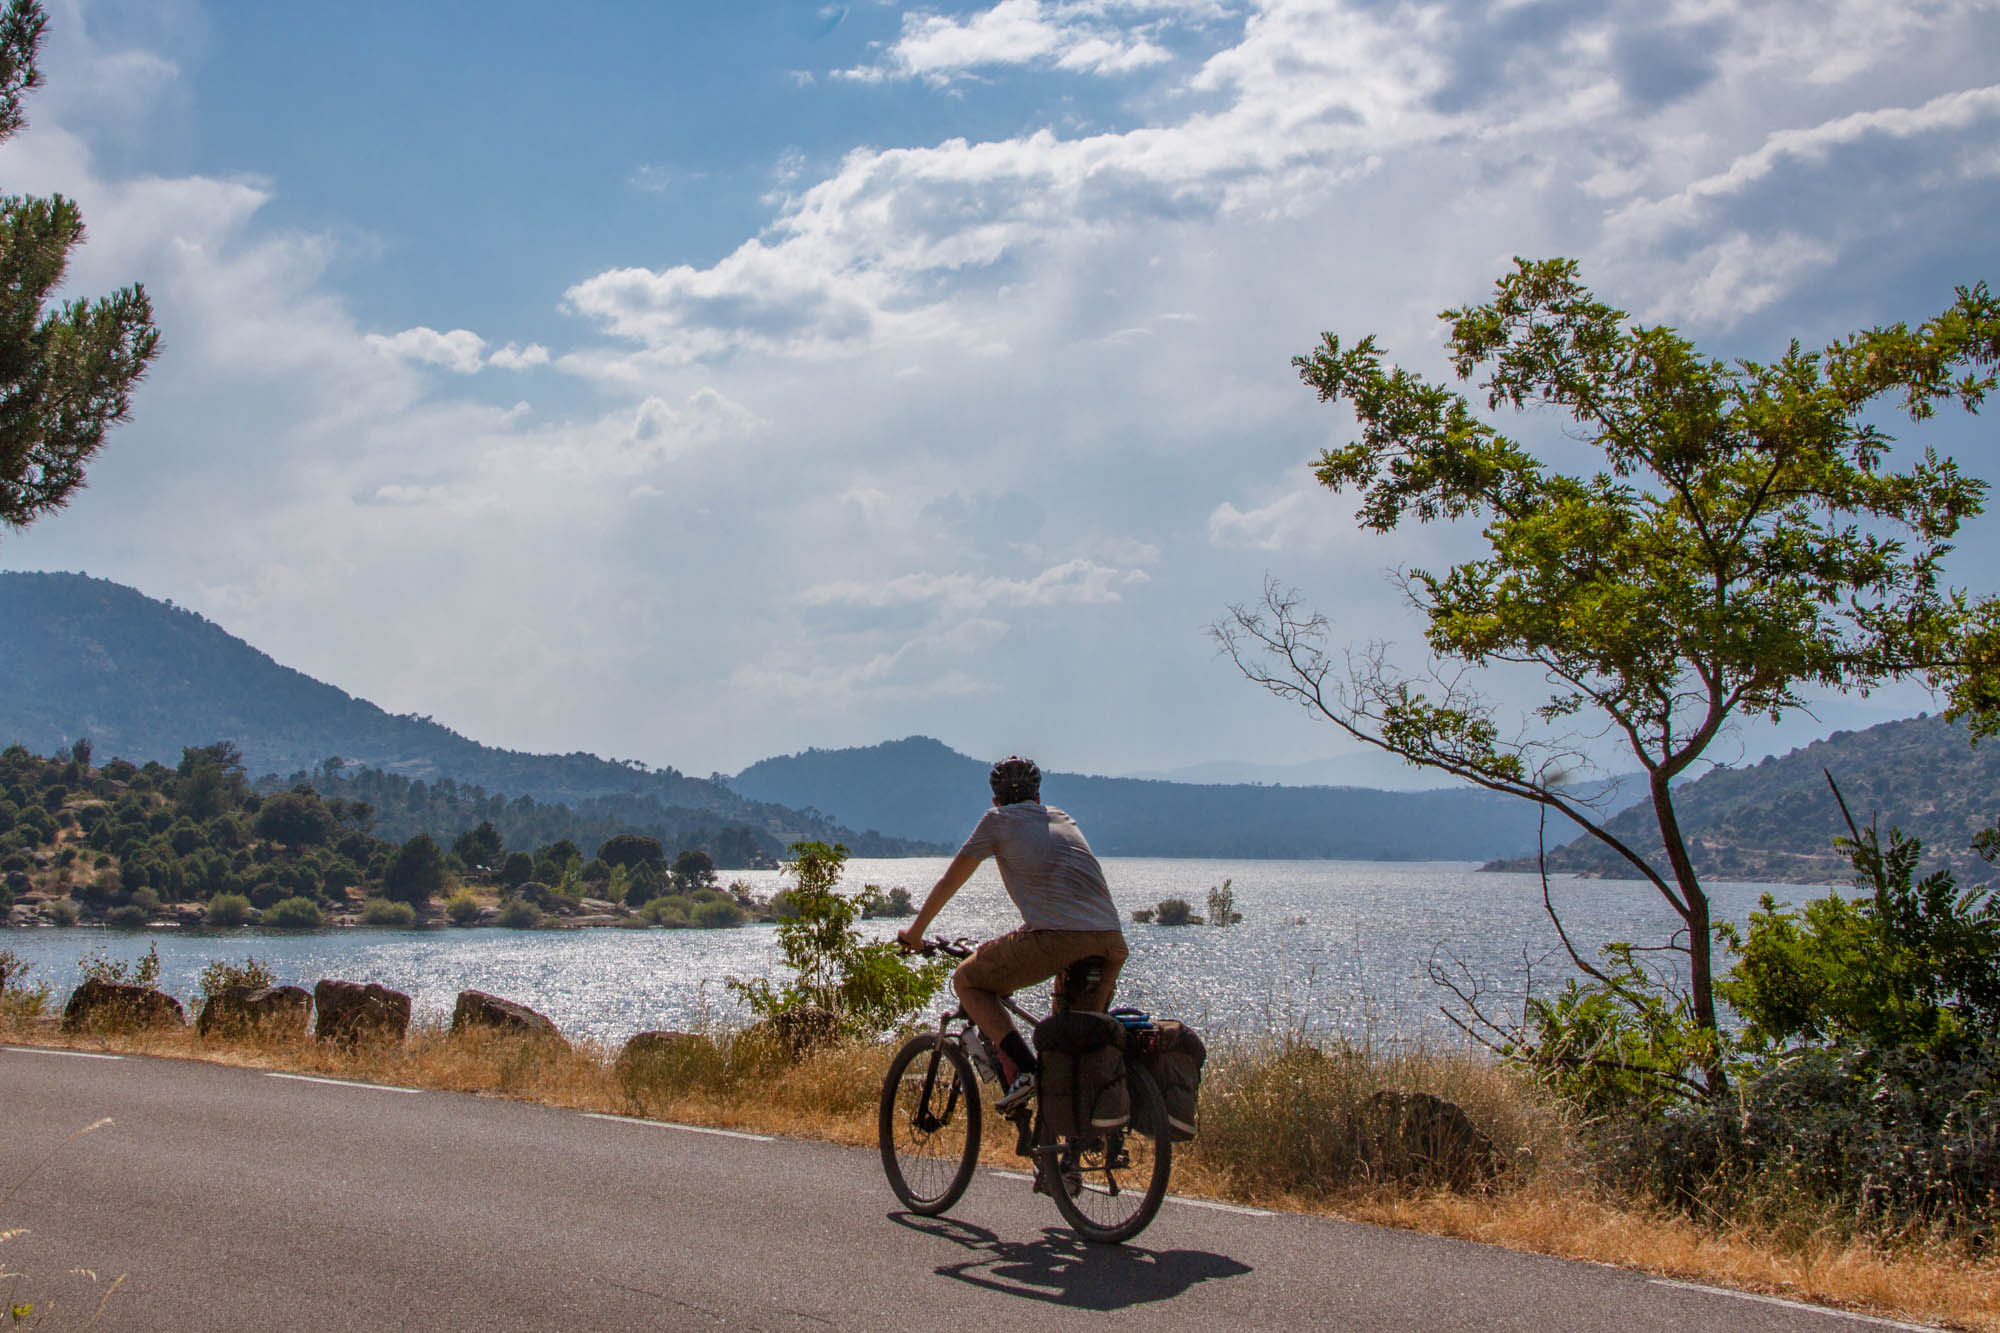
pixel 691 383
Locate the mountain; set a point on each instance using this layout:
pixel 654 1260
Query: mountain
pixel 1776 820
pixel 142 679
pixel 921 788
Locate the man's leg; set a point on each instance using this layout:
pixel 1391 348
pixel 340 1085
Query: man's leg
pixel 985 1009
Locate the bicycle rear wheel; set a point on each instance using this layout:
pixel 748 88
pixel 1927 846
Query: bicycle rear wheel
pixel 929 1127
pixel 1108 1187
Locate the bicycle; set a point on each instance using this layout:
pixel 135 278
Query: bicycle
pixel 1107 1186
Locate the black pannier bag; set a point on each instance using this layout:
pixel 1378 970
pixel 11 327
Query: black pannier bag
pixel 1175 1060
pixel 1083 1073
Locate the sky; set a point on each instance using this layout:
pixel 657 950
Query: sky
pixel 692 383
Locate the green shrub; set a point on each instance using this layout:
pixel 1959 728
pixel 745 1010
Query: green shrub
pixel 127 917
pixel 894 903
pixel 221 974
pixel 382 912
pixel 717 914
pixel 146 900
pixel 226 910
pixel 293 914
pixel 462 908
pixel 868 985
pixel 671 911
pixel 100 966
pixel 1175 912
pixel 63 911
pixel 1887 1141
pixel 520 914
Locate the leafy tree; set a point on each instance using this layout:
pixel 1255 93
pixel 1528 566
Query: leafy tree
pixel 66 376
pixel 693 869
pixel 296 819
pixel 868 985
pixel 1742 540
pixel 415 872
pixel 481 847
pixel 632 850
pixel 517 869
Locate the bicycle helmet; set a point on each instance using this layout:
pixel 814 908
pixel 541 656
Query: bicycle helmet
pixel 1015 779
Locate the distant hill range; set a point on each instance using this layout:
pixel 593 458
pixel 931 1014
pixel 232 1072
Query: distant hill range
pixel 1776 820
pixel 921 788
pixel 142 679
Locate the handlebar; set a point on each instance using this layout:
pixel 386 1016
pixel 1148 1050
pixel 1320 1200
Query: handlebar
pixel 958 948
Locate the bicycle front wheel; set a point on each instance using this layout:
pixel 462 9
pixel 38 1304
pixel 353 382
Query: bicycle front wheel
pixel 1108 1187
pixel 929 1128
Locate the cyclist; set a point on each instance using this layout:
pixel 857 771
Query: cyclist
pixel 1066 915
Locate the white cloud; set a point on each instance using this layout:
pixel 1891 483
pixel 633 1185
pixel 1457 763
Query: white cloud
pixel 1072 583
pixel 937 47
pixel 515 357
pixel 1303 519
pixel 461 351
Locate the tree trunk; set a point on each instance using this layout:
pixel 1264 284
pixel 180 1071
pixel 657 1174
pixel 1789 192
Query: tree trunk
pixel 1693 909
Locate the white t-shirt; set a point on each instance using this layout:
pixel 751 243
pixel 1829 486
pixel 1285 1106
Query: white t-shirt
pixel 1046 866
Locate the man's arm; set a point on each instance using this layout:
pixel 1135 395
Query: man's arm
pixel 949 883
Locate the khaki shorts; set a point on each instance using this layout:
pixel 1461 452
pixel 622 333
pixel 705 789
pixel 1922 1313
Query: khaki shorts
pixel 1020 958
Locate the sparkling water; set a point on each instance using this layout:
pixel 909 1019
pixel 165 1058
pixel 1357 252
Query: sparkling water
pixel 1342 946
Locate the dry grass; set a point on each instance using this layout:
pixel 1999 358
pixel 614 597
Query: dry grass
pixel 1283 1125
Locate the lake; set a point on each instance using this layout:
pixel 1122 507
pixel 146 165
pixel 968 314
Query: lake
pixel 1324 946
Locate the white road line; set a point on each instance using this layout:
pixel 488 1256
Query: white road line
pixel 1221 1207
pixel 1236 1208
pixel 342 1083
pixel 668 1124
pixel 74 1055
pixel 1793 1305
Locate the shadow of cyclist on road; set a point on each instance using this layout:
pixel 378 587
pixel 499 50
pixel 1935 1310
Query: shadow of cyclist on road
pixel 1063 1270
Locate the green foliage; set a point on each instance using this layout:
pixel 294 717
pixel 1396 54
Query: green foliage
pixel 295 819
pixel 867 984
pixel 693 870
pixel 516 870
pixel 1914 964
pixel 1742 540
pixel 143 971
pixel 130 916
pixel 1222 906
pixel 670 910
pixel 69 372
pixel 632 850
pixel 481 847
pixel 519 914
pixel 386 912
pixel 293 914
pixel 415 872
pixel 1883 1142
pixel 1143 915
pixel 222 974
pixel 894 904
pixel 226 910
pixel 1175 912
pixel 64 911
pixel 462 908
pixel 1619 1047
pixel 717 914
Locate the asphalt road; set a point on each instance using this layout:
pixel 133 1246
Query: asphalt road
pixel 235 1199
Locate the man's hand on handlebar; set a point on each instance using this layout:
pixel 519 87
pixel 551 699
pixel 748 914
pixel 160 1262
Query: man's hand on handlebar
pixel 909 941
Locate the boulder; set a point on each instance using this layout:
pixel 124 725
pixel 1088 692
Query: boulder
pixel 800 1030
pixel 477 1009
pixel 113 1005
pixel 282 1012
pixel 350 1012
pixel 1421 1136
pixel 652 1057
